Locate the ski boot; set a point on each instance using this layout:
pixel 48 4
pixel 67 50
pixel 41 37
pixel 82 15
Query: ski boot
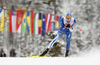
pixel 67 51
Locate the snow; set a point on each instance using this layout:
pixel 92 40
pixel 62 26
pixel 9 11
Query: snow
pixel 87 16
pixel 93 53
pixel 84 60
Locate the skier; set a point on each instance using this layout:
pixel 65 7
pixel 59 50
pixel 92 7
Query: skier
pixel 67 26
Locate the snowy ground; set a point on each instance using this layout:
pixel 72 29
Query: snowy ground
pixel 94 53
pixel 91 58
pixel 87 16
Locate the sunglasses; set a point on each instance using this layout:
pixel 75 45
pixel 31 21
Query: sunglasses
pixel 67 18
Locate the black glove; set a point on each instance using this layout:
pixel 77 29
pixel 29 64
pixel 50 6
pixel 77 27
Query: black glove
pixel 68 25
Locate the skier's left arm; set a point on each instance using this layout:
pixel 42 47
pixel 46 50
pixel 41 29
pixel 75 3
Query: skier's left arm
pixel 73 25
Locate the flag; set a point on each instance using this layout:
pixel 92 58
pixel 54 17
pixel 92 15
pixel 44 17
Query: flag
pixel 60 20
pixel 28 22
pixel 36 23
pixel 50 27
pixel 57 22
pixel 43 24
pixel 10 21
pixel 7 20
pixel 13 20
pixel 0 10
pixel 19 17
pixel 24 23
pixel 32 22
pixel 52 24
pixel 2 20
pixel 39 23
pixel 48 20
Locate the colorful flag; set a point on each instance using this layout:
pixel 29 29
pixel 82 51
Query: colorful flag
pixel 13 20
pixel 57 22
pixel 50 26
pixel 7 20
pixel 43 24
pixel 2 28
pixel 53 23
pixel 48 20
pixel 32 22
pixel 0 10
pixel 28 22
pixel 40 23
pixel 10 21
pixel 24 23
pixel 36 23
pixel 60 20
pixel 20 14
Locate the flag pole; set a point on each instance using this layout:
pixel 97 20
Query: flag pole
pixel 15 32
pixel 0 27
pixel 21 39
pixel 26 34
pixel 3 31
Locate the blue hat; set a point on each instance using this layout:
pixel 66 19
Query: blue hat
pixel 69 15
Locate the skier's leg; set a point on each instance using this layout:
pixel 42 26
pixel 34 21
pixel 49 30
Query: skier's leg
pixel 68 43
pixel 57 36
pixel 68 40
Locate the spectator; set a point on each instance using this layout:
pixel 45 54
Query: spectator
pixel 12 53
pixel 2 53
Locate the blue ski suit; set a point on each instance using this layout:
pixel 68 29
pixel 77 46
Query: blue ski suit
pixel 62 31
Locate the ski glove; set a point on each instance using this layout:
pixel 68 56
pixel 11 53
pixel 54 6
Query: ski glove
pixel 68 26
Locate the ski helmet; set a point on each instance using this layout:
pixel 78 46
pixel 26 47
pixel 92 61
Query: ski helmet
pixel 68 15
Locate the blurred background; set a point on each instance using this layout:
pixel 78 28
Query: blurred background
pixel 85 36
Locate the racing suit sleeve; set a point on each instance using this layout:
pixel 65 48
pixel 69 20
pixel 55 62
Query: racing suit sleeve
pixel 73 25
